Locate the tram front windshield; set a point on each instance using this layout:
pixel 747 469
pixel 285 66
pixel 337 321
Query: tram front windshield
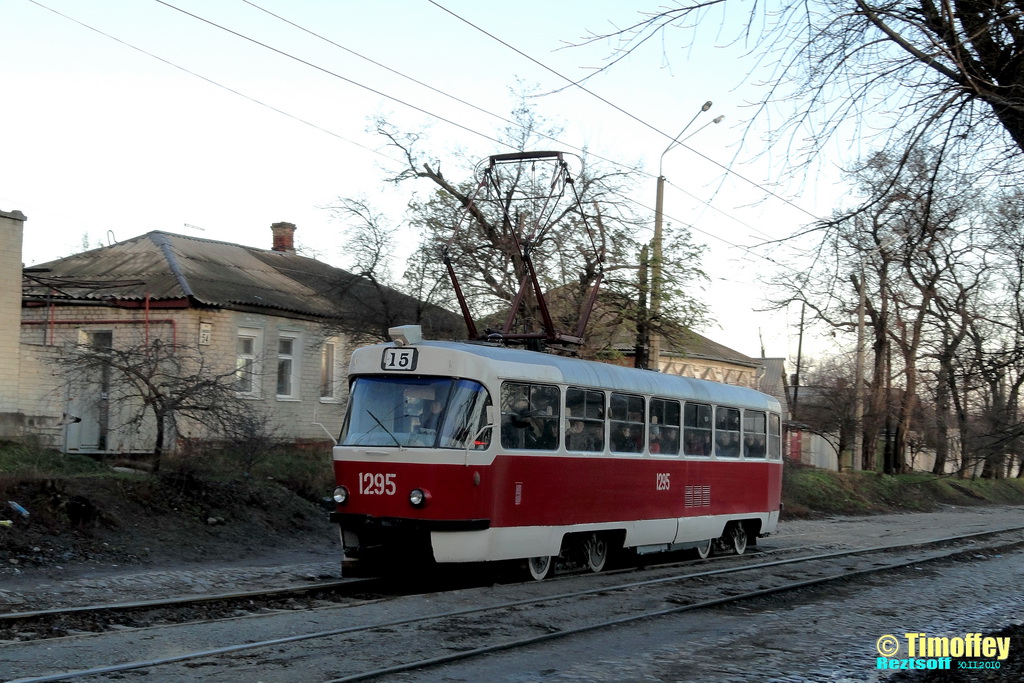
pixel 417 413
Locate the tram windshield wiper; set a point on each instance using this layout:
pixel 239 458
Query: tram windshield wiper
pixel 386 430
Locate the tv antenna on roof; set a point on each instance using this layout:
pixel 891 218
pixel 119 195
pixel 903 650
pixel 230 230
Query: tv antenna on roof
pixel 194 227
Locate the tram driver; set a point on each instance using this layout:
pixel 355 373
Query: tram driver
pixel 431 419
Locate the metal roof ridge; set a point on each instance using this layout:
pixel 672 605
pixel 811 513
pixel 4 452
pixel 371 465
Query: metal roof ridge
pixel 160 240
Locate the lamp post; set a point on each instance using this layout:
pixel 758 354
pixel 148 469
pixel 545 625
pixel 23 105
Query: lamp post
pixel 858 377
pixel 654 355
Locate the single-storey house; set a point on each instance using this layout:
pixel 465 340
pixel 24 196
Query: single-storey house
pixel 277 325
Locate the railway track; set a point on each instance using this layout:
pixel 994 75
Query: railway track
pixel 64 621
pixel 481 622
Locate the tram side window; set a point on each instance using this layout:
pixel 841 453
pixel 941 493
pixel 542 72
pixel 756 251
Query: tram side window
pixel 727 432
pixel 697 429
pixel 584 420
pixel 529 416
pixel 755 427
pixel 465 423
pixel 774 436
pixel 663 429
pixel 627 423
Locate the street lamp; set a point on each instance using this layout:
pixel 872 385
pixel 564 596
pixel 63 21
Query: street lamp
pixel 655 338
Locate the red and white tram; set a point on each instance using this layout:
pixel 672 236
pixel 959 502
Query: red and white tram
pixel 470 452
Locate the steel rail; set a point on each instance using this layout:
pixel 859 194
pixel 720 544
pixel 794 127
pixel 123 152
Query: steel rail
pixel 181 601
pixel 705 604
pixel 523 642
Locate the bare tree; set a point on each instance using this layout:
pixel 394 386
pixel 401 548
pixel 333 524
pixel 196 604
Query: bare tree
pixel 166 384
pixel 991 374
pixel 827 405
pixel 896 74
pixel 939 89
pixel 905 249
pixel 573 240
pixel 372 297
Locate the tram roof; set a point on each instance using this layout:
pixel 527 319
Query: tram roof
pixel 508 364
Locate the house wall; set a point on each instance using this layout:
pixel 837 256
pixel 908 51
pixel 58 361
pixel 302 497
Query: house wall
pixel 58 407
pixel 812 449
pixel 715 371
pixel 11 230
pixel 46 396
pixel 300 415
pixel 42 397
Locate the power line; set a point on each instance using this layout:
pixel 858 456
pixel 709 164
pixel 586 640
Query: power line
pixel 331 73
pixel 443 93
pixel 616 107
pixel 210 81
pixel 404 103
pixel 514 123
pixel 378 64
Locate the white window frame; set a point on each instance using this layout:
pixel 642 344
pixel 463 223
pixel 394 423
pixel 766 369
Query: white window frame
pixel 329 370
pixel 249 360
pixel 293 361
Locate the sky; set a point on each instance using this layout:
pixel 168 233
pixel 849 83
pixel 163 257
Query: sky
pixel 126 116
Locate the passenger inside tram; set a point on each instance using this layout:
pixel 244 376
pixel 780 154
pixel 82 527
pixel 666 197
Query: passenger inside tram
pixel 754 446
pixel 627 440
pixel 727 444
pixel 431 418
pixel 669 441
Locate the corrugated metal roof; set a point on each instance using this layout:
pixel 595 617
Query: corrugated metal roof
pixel 166 266
pixel 694 345
pixel 774 380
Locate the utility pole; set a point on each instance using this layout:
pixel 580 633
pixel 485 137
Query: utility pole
pixel 641 356
pixel 654 347
pixel 799 363
pixel 858 379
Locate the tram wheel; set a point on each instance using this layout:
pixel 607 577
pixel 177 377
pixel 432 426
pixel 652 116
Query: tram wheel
pixel 704 549
pixel 596 551
pixel 540 567
pixel 737 535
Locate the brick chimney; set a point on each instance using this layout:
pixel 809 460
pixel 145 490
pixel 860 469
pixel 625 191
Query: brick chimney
pixel 284 237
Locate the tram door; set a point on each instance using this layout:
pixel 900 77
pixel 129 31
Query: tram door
pixel 89 400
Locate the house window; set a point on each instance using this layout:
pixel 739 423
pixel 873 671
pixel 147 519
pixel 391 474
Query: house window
pixel 287 366
pixel 328 380
pixel 247 348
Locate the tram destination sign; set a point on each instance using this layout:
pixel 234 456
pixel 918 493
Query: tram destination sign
pixel 399 358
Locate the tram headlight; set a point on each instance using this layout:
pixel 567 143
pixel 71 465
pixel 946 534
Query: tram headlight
pixel 340 495
pixel 419 498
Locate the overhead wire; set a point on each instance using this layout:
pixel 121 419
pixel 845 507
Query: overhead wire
pixel 387 96
pixel 331 73
pixel 443 93
pixel 377 63
pixel 208 80
pixel 499 117
pixel 636 118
